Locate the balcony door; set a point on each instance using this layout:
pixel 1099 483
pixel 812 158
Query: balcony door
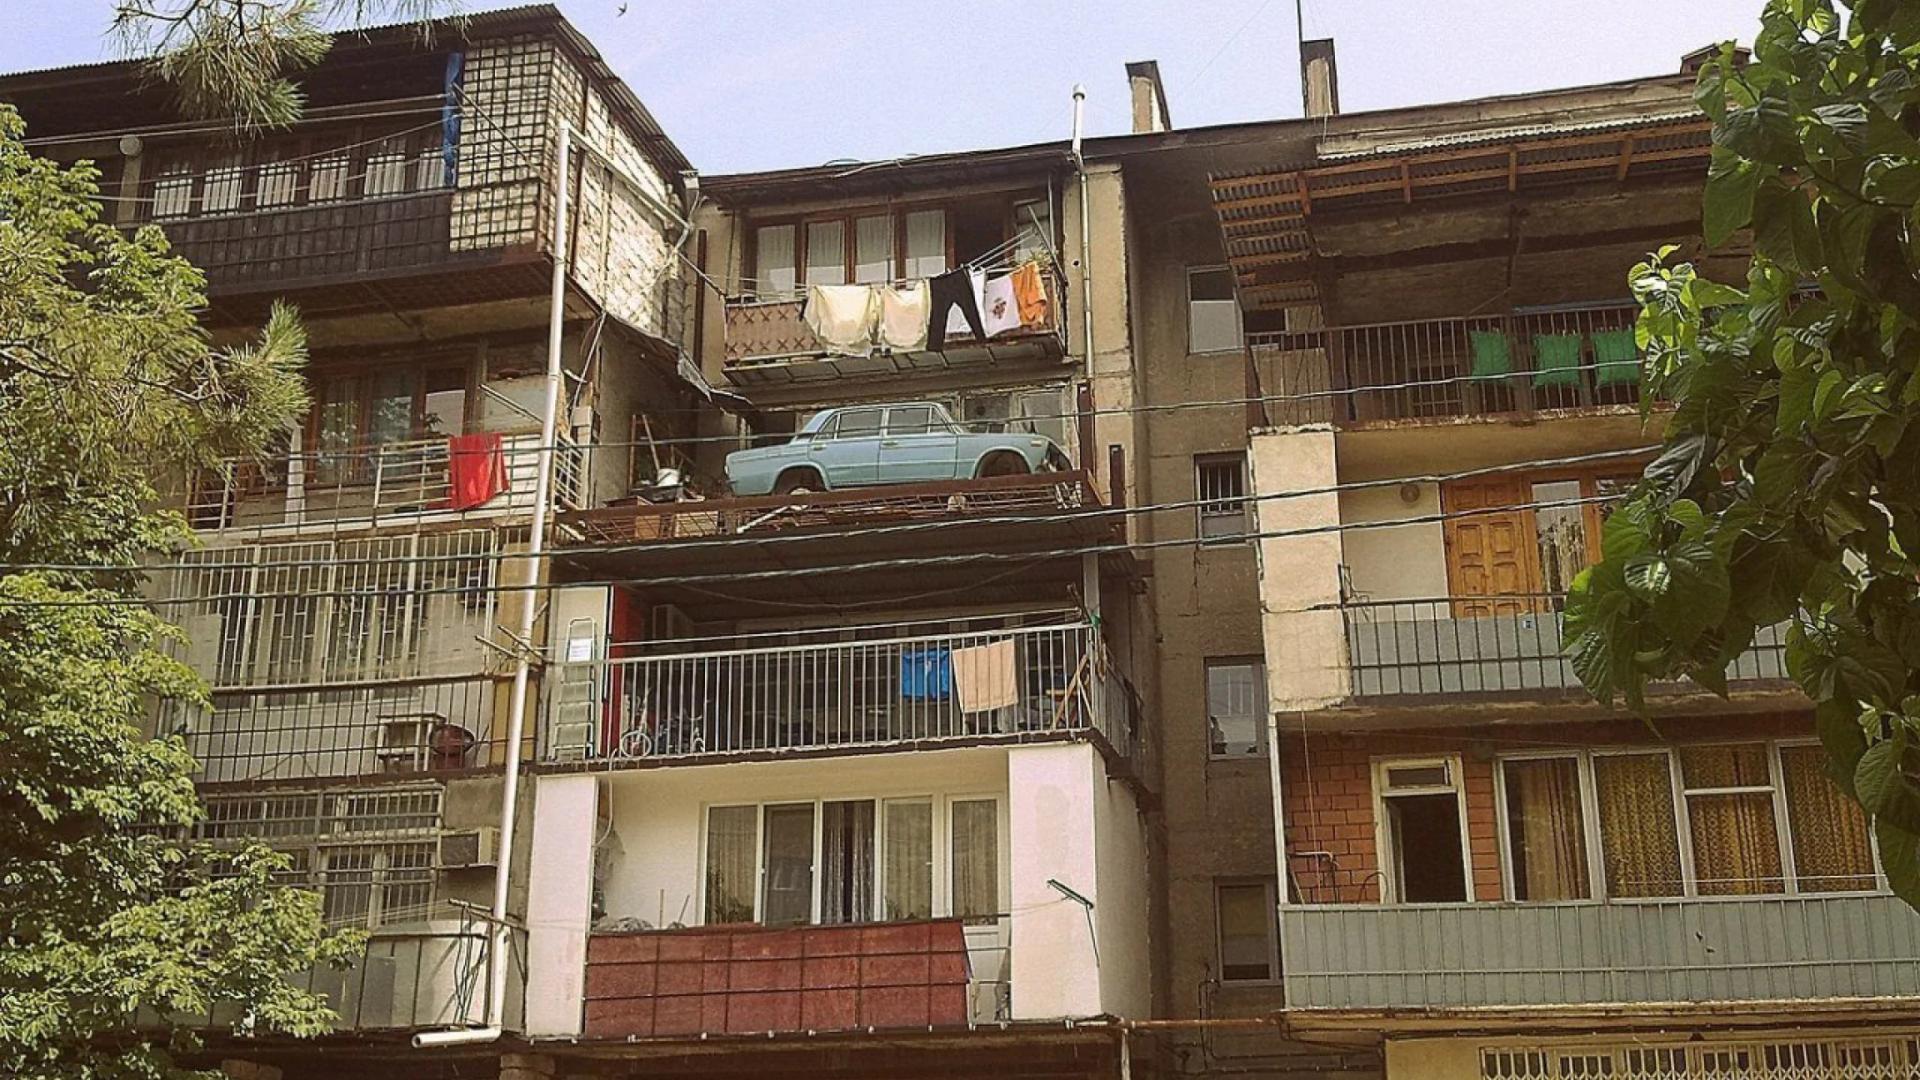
pixel 1492 567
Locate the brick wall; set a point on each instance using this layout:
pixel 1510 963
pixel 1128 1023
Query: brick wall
pixel 1327 787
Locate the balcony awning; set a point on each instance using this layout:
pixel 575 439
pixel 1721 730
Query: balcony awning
pixel 1266 217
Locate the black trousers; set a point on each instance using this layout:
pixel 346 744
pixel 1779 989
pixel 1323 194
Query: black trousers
pixel 953 288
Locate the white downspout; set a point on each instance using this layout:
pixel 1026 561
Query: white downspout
pixel 498 951
pixel 1086 237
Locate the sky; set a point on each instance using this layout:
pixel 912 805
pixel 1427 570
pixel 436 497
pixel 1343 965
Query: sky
pixel 745 84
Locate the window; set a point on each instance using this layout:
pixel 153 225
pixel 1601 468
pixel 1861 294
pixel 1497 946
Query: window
pixel 173 191
pixel 1560 534
pixel 926 254
pixel 370 855
pixel 387 167
pixel 1032 229
pixel 278 184
pixel 1236 708
pixel 873 249
pixel 1422 830
pixel 1213 313
pixel 1524 538
pixel 1546 829
pixel 327 177
pixel 222 190
pixel 827 253
pixel 910 420
pixel 356 415
pixel 857 424
pixel 774 261
pixel 1244 912
pixel 1729 791
pixel 849 861
pixel 1220 485
pixel 1832 844
pixel 1639 840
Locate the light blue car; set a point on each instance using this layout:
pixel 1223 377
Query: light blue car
pixel 905 443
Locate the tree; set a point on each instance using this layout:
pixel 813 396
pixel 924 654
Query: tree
pixel 106 381
pixel 233 60
pixel 1789 486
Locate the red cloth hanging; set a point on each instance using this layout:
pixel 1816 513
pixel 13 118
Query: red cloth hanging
pixel 477 470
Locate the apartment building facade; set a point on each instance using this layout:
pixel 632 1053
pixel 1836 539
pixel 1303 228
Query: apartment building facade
pixel 1234 739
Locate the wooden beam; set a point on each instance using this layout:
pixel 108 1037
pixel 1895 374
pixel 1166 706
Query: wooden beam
pixel 1406 183
pixel 1513 169
pixel 1626 158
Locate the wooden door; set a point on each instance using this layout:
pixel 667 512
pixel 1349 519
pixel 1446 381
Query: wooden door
pixel 1493 567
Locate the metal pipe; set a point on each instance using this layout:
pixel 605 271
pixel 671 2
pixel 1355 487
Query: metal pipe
pixel 427 1040
pixel 1086 241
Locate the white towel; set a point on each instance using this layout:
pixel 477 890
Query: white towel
pixel 842 317
pixel 983 677
pixel 999 309
pixel 903 316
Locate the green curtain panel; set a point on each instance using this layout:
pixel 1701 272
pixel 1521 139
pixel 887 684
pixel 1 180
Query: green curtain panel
pixel 1616 358
pixel 1556 359
pixel 1491 357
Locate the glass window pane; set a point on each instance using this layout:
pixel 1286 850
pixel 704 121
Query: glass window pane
pixel 1736 849
pixel 1743 765
pixel 910 420
pixel 789 865
pixel 1236 709
pixel 446 402
pixel 1213 314
pixel 846 862
pixel 926 244
pixel 976 859
pixel 1639 842
pixel 222 190
pixel 1546 836
pixel 1032 229
pixel 391 417
pixel 858 424
pixel 873 249
pixel 1560 532
pixel 278 184
pixel 730 862
pixel 1246 932
pixel 774 260
pixel 387 167
pixel 327 178
pixel 347 898
pixel 1832 850
pixel 908 862
pixel 173 192
pixel 827 253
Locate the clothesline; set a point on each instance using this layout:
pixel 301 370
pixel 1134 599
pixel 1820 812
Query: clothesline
pixel 852 320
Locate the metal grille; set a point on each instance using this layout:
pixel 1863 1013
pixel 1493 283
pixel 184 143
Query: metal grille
pixel 1773 1059
pixel 370 854
pixel 1221 483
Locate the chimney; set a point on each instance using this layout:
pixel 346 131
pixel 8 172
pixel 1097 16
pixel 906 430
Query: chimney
pixel 1149 98
pixel 1319 78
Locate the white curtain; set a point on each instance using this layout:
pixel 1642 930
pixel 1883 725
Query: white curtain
pixel 976 859
pixel 909 859
pixel 774 262
pixel 846 862
pixel 926 243
pixel 873 249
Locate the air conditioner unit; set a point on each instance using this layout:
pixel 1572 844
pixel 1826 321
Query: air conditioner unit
pixel 463 849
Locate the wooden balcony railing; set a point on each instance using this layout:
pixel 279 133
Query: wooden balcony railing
pixel 1477 366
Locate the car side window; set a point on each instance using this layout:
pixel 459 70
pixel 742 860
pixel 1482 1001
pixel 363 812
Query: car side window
pixel 910 420
pixel 858 424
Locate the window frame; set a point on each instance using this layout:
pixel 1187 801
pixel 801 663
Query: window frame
pixel 1263 743
pixel 1239 317
pixel 1203 503
pixel 299 159
pixel 1272 908
pixel 1589 823
pixel 1390 886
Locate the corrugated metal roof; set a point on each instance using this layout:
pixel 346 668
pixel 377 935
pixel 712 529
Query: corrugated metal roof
pixel 1510 133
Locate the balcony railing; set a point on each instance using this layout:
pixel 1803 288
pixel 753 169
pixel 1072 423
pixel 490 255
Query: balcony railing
pixel 1784 948
pixel 827 694
pixel 1446 646
pixel 768 341
pixel 416 727
pixel 412 480
pixel 1476 366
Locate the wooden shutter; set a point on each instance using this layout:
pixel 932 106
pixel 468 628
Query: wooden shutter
pixel 1490 555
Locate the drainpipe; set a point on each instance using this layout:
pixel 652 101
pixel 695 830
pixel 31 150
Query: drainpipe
pixel 1086 240
pixel 500 933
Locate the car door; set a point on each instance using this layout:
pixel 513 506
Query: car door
pixel 920 444
pixel 849 455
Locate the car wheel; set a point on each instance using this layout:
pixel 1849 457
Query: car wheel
pixel 1003 465
pixel 797 483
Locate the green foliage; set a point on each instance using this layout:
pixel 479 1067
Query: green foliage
pixel 1790 485
pixel 107 383
pixel 234 60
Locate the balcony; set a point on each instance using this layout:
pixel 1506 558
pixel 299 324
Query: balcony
pixel 742 980
pixel 1504 367
pixel 1780 948
pixel 831 696
pixel 408 483
pixel 768 344
pixel 1446 646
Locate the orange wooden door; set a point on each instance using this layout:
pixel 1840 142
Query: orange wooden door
pixel 1493 567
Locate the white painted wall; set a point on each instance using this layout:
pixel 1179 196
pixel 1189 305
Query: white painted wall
pixel 1404 562
pixel 559 902
pixel 1120 841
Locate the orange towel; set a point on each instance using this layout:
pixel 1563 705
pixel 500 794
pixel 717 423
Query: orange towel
pixel 1031 294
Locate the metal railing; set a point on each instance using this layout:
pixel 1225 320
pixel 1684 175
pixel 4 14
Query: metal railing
pixel 1724 949
pixel 1475 644
pixel 413 480
pixel 397 728
pixel 1482 365
pixel 822 694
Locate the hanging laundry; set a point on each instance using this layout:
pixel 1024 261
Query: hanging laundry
pixel 842 317
pixel 903 316
pixel 955 289
pixel 926 674
pixel 999 310
pixel 476 470
pixel 1030 292
pixel 956 321
pixel 984 677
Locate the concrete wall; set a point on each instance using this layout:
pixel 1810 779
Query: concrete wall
pixel 1305 632
pixel 560 902
pixel 1404 562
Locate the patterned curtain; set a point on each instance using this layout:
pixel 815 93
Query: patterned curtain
pixel 1831 848
pixel 1736 849
pixel 1544 826
pixel 1639 842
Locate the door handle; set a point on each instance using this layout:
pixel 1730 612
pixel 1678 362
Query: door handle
pixel 889 442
